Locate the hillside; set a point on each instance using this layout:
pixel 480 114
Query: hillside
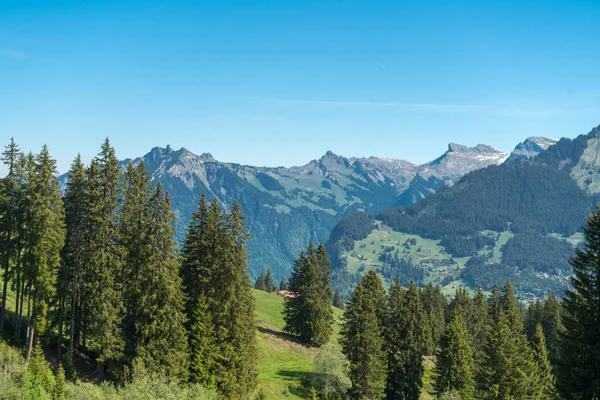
pixel 284 365
pixel 519 221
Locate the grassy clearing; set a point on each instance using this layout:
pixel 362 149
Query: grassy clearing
pixel 285 365
pixel 427 253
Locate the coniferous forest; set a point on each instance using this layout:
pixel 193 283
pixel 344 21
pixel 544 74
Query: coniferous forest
pixel 93 278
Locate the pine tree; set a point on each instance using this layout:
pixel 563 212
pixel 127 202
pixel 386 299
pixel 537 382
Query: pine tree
pixel 512 311
pixel 337 300
pixel 283 285
pixel 8 218
pixel 269 283
pixel 479 327
pixel 220 306
pixel 48 236
pixel 362 338
pixel 104 308
pixel 533 318
pixel 22 268
pixel 508 369
pixel 454 367
pixel 260 283
pixel 552 325
pixel 73 254
pixel 405 344
pixel 545 384
pixel 434 307
pixel 61 382
pixel 494 303
pixel 239 345
pixel 160 342
pixel 579 375
pixel 309 315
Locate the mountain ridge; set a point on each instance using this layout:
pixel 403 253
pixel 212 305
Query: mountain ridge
pixel 288 206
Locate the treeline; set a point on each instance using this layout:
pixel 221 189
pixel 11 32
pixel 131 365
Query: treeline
pixel 98 268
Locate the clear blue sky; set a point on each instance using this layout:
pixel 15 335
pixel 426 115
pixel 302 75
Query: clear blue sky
pixel 280 82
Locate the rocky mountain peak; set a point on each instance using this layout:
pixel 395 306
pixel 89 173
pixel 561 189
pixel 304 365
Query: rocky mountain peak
pixel 531 147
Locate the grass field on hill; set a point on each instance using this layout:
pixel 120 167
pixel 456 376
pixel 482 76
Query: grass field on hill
pixel 285 366
pixel 427 253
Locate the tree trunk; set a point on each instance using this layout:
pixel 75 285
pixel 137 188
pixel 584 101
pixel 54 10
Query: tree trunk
pixel 30 344
pixel 28 317
pixel 5 285
pixel 61 310
pixel 100 370
pixel 20 322
pixel 17 299
pixel 72 331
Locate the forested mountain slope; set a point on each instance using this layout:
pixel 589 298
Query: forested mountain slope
pixel 519 221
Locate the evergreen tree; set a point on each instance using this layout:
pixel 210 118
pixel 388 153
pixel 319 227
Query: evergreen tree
pixel 309 314
pixel 260 283
pixel 220 306
pixel 337 300
pixel 533 318
pixel 454 367
pixel 434 307
pixel 73 254
pixel 8 218
pixel 551 324
pixel 545 385
pixel 512 310
pixel 579 374
pixel 269 283
pixel 362 338
pixel 47 240
pixel 479 326
pixel 405 345
pixel 508 370
pixel 159 325
pixel 283 285
pixel 494 303
pixel 103 293
pixel 60 384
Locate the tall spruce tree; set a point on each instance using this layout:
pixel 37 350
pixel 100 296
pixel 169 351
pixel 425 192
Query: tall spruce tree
pixel 309 314
pixel 434 307
pixel 73 254
pixel 104 307
pixel 26 182
pixel 405 344
pixel 283 284
pixel 220 306
pixel 579 367
pixel 260 281
pixel 8 218
pixel 269 283
pixel 552 326
pixel 337 300
pixel 362 338
pixel 508 370
pixel 546 382
pixel 479 326
pixel 454 368
pixel 161 341
pixel 48 236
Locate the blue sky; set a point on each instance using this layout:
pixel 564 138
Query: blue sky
pixel 280 82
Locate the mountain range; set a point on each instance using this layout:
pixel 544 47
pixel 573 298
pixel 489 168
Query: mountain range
pixel 287 207
pixel 518 220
